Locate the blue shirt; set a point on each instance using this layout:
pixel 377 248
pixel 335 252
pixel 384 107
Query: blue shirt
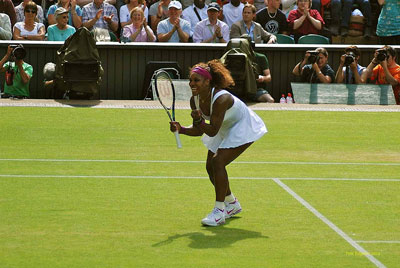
pixel 55 34
pixel 165 27
pixel 389 19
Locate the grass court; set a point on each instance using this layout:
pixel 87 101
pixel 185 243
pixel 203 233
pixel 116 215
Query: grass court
pixel 84 187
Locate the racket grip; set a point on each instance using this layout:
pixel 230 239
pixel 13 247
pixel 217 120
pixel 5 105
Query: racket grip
pixel 178 140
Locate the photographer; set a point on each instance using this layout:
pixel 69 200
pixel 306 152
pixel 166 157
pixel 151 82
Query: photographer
pixel 18 72
pixel 383 69
pixel 349 65
pixel 314 68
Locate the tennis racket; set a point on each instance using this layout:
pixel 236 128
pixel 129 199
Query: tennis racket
pixel 166 96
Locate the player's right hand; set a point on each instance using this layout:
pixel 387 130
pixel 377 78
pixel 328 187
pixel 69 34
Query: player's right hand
pixel 174 126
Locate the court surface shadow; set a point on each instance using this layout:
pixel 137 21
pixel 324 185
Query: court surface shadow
pixel 217 237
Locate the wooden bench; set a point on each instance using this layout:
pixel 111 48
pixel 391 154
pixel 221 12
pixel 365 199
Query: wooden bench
pixel 367 94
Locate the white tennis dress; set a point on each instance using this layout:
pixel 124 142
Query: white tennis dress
pixel 240 126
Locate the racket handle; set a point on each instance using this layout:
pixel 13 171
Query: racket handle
pixel 178 140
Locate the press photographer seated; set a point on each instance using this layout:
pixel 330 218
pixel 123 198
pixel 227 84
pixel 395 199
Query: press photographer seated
pixel 18 72
pixel 314 68
pixel 383 69
pixel 349 71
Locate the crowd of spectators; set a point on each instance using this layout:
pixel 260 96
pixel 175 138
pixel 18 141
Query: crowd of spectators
pixel 176 21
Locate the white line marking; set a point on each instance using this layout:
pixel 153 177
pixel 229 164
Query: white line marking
pixel 181 177
pixel 331 225
pixel 378 242
pixel 194 162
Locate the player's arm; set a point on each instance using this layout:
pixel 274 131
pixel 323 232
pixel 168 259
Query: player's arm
pixel 189 131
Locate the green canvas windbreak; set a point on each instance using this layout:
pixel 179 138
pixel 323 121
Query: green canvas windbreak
pixel 79 49
pixel 242 45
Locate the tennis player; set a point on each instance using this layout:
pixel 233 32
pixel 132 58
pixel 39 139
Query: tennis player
pixel 232 128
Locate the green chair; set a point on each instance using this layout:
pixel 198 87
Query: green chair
pixel 284 39
pixel 313 39
pixel 113 37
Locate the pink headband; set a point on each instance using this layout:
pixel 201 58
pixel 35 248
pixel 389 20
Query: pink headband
pixel 202 71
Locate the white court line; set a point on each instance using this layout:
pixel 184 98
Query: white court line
pixel 331 225
pixel 183 177
pixel 378 242
pixel 189 162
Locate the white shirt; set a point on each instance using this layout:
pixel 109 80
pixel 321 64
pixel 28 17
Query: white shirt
pixel 232 14
pixel 189 15
pixel 204 30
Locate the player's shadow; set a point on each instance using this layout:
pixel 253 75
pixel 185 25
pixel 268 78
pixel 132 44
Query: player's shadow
pixel 219 237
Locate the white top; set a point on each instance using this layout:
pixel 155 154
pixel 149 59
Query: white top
pixel 35 31
pixel 240 126
pixel 189 15
pixel 232 14
pixel 125 16
pixel 204 30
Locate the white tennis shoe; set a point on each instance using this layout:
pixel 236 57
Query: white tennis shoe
pixel 215 218
pixel 232 208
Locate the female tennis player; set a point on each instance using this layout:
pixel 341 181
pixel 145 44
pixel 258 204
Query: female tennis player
pixel 232 128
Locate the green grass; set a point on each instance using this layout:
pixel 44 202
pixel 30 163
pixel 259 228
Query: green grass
pixel 49 217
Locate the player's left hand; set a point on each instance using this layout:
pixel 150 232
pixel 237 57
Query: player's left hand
pixel 196 115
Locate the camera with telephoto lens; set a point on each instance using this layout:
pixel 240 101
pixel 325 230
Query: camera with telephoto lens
pixel 382 54
pixel 18 52
pixel 313 58
pixel 350 58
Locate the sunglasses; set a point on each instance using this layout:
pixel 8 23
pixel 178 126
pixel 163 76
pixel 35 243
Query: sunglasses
pixel 65 17
pixel 30 11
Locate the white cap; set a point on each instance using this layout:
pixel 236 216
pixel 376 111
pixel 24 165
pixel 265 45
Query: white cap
pixel 175 4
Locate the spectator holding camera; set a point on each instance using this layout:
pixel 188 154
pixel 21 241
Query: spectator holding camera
pixel 349 71
pixel 314 68
pixel 383 69
pixel 18 72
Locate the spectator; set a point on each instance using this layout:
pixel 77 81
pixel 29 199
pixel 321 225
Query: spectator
pixel 138 30
pixel 158 12
pixel 349 64
pixel 336 6
pixel 384 69
pixel 125 11
pixel 174 29
pixel 7 7
pixel 18 73
pixel 195 13
pixel 19 10
pixel 211 30
pixel 264 77
pixel 250 27
pixel 314 68
pixel 232 12
pixel 60 31
pixel 5 27
pixel 74 13
pixel 388 28
pixel 99 14
pixel 29 29
pixel 305 20
pixel 272 18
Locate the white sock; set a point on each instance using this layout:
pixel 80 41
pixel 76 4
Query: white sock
pixel 230 198
pixel 220 205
